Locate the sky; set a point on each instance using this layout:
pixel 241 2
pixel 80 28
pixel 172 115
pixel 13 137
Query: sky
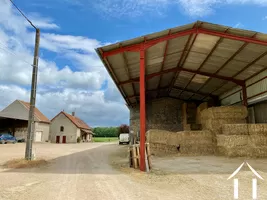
pixel 71 76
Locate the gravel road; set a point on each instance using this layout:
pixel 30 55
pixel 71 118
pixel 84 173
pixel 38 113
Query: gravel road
pixel 84 174
pixel 83 171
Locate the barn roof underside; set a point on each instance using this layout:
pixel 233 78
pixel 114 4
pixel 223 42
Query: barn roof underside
pixel 197 61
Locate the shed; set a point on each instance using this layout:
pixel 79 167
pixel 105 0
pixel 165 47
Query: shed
pixel 196 62
pixel 14 119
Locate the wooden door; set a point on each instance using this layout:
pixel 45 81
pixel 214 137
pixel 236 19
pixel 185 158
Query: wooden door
pixel 58 139
pixel 64 139
pixel 38 136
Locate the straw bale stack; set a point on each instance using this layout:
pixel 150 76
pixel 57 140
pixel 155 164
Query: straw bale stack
pixel 225 112
pixel 215 125
pixel 235 129
pixel 200 108
pixel 191 142
pixel 215 117
pixel 239 140
pixel 235 152
pixel 257 129
pixel 257 152
pixel 231 141
pixel 258 141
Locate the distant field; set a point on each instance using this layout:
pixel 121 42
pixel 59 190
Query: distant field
pixel 105 139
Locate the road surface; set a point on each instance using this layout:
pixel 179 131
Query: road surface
pixel 81 175
pixel 83 172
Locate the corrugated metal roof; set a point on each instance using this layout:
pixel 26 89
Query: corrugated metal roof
pixel 212 53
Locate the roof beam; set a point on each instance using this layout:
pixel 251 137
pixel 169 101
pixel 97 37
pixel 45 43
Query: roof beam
pixel 127 71
pixel 194 92
pixel 163 62
pixel 226 62
pixel 180 63
pixel 109 68
pixel 149 43
pixel 231 58
pixel 204 61
pixel 176 69
pixel 211 52
pixel 233 37
pixel 176 88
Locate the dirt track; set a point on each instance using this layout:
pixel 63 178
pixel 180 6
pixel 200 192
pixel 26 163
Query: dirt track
pixel 83 174
pixel 83 171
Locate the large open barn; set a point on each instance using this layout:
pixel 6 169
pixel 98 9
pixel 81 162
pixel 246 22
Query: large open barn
pixel 200 86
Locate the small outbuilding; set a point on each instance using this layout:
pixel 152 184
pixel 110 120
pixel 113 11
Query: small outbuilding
pixel 66 128
pixel 14 119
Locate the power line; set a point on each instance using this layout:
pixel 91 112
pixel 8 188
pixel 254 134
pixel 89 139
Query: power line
pixel 5 48
pixel 23 14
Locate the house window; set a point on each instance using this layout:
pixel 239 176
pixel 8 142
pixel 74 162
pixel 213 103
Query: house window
pixel 62 128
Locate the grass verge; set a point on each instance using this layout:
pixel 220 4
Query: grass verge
pixel 105 139
pixel 22 163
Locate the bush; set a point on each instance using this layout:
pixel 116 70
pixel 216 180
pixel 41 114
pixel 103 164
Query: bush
pixel 106 131
pixel 79 139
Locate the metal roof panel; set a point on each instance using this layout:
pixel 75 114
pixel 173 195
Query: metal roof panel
pixel 120 65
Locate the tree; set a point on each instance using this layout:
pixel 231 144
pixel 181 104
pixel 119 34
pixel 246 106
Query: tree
pixel 124 128
pixel 106 131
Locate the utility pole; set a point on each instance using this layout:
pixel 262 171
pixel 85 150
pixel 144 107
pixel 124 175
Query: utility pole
pixel 31 128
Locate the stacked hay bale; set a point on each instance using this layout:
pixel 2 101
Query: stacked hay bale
pixel 190 142
pixel 200 108
pixel 189 111
pixel 213 118
pixel 249 140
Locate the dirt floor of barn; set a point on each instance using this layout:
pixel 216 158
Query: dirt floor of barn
pixel 204 177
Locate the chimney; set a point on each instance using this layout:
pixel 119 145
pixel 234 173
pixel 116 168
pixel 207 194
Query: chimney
pixel 73 113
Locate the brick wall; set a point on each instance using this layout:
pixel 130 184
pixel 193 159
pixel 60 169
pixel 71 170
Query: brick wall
pixel 164 114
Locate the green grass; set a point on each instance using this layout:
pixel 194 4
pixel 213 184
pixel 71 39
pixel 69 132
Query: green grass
pixel 105 139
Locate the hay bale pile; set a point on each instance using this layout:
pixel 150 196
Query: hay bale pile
pixel 248 140
pixel 191 142
pixel 200 108
pixel 213 118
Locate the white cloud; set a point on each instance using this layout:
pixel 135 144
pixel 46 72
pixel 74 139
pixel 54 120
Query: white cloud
pixel 74 83
pixel 205 7
pixel 91 107
pixel 41 22
pixel 134 8
pixel 57 43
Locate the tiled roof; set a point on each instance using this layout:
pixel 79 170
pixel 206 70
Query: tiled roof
pixel 37 113
pixel 75 120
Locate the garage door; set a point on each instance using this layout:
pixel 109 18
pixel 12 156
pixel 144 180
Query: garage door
pixel 38 136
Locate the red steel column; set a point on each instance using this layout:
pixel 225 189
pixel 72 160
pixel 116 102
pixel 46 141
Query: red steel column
pixel 245 98
pixel 142 110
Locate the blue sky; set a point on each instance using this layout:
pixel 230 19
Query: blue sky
pixel 71 76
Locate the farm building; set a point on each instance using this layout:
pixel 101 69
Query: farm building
pixel 14 119
pixel 201 87
pixel 66 128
